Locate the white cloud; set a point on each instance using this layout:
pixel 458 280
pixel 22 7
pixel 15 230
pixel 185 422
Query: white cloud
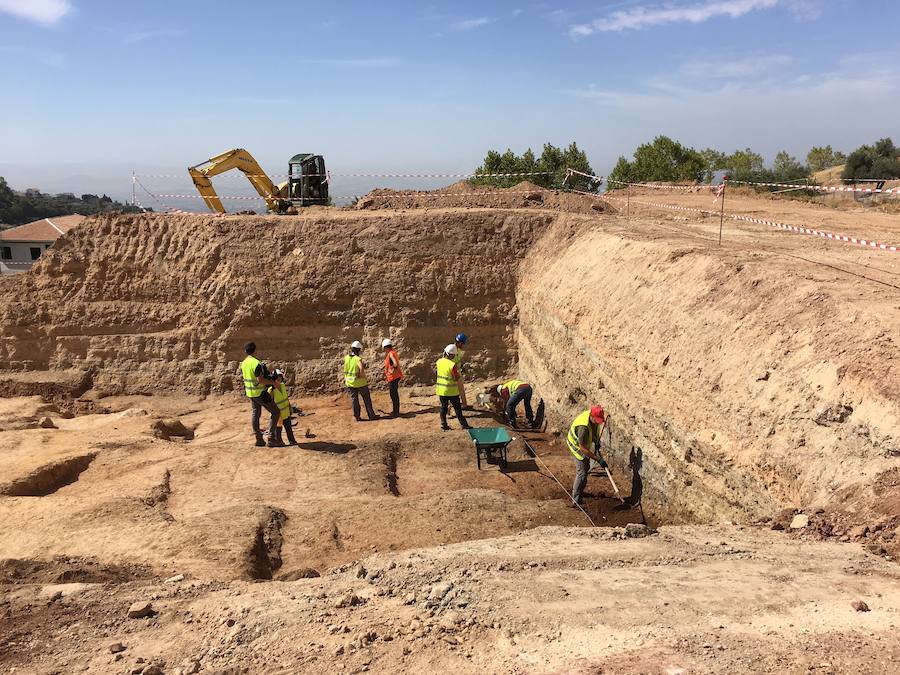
pixel 646 16
pixel 133 38
pixel 357 63
pixel 470 24
pixel 46 12
pixel 735 68
pixel 790 112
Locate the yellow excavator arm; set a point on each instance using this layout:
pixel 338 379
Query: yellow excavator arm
pixel 239 159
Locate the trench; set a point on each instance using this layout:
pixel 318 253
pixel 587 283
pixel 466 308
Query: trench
pixel 48 478
pixel 263 557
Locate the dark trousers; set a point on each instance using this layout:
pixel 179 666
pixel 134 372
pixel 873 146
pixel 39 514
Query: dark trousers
pixel 355 393
pixel 446 401
pixel 520 394
pixel 394 387
pixel 289 432
pixel 582 467
pixel 258 403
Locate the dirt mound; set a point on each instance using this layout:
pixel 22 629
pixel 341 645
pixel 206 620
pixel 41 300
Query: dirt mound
pixel 524 195
pixel 167 428
pixel 66 570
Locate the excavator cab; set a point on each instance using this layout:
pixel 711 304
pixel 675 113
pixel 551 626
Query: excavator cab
pixel 307 180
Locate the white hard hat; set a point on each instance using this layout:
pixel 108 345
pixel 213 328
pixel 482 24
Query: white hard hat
pixel 356 345
pixel 387 342
pixel 500 389
pixel 450 349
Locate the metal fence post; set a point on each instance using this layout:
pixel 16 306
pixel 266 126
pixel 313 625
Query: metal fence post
pixel 722 210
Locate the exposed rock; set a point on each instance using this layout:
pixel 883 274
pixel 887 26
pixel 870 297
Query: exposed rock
pixel 140 610
pixel 799 521
pixel 175 579
pixel 167 428
pixel 439 590
pixel 46 423
pixel 116 647
pixel 637 530
pixel 348 600
pixel 859 606
pixel 301 573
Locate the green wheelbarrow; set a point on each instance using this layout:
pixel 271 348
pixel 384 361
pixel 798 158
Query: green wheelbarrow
pixel 489 440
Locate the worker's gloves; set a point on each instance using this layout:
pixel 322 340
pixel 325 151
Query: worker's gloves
pixel 602 462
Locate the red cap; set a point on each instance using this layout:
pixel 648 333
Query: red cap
pixel 597 414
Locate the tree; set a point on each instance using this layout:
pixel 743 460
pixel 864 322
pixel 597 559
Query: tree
pixel 551 165
pixel 821 158
pixel 21 207
pixel 881 160
pixel 743 165
pixel 787 168
pixel 660 160
pixel 714 160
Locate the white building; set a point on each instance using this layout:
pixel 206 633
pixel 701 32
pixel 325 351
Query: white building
pixel 21 246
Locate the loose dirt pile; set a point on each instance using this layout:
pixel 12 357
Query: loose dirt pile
pixel 465 195
pixel 700 599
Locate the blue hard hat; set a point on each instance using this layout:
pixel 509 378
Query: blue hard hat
pixel 462 337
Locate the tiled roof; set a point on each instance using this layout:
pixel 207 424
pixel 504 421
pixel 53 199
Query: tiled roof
pixel 46 229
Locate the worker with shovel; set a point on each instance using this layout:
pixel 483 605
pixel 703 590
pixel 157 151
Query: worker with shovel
pixel 356 382
pixel 448 386
pixel 511 393
pixel 583 442
pixel 256 379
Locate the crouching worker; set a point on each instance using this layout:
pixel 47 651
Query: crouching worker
pixel 448 387
pixel 256 379
pixel 584 444
pixel 356 382
pixel 282 401
pixel 512 393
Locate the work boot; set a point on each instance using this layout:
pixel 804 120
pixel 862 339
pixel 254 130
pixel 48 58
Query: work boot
pixel 445 427
pixel 260 441
pixel 466 425
pixel 276 443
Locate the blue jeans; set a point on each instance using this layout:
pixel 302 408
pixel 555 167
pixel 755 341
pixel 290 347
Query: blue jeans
pixel 523 393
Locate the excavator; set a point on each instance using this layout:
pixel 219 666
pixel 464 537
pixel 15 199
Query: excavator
pixel 307 182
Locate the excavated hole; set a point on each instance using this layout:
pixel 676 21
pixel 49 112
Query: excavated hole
pixel 264 556
pixel 49 478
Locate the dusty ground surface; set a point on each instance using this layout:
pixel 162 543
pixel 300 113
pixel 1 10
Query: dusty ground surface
pixel 552 600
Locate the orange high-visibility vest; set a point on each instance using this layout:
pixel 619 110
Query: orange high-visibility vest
pixel 392 372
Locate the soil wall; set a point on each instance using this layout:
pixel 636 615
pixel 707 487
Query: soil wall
pixel 737 381
pixel 156 302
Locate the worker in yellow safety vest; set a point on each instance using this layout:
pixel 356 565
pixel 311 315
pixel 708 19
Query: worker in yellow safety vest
pixel 447 387
pixel 513 392
pixel 255 377
pixel 356 383
pixel 283 402
pixel 583 442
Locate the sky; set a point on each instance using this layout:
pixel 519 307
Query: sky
pixel 95 88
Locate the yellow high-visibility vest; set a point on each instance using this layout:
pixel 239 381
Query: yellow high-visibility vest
pixel 457 359
pixel 352 366
pixel 512 385
pixel 583 420
pixel 248 371
pixel 280 396
pixel 445 385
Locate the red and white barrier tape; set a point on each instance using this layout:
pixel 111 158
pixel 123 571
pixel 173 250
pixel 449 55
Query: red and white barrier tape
pixel 431 195
pixel 699 187
pixel 819 188
pixel 373 175
pixel 858 241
